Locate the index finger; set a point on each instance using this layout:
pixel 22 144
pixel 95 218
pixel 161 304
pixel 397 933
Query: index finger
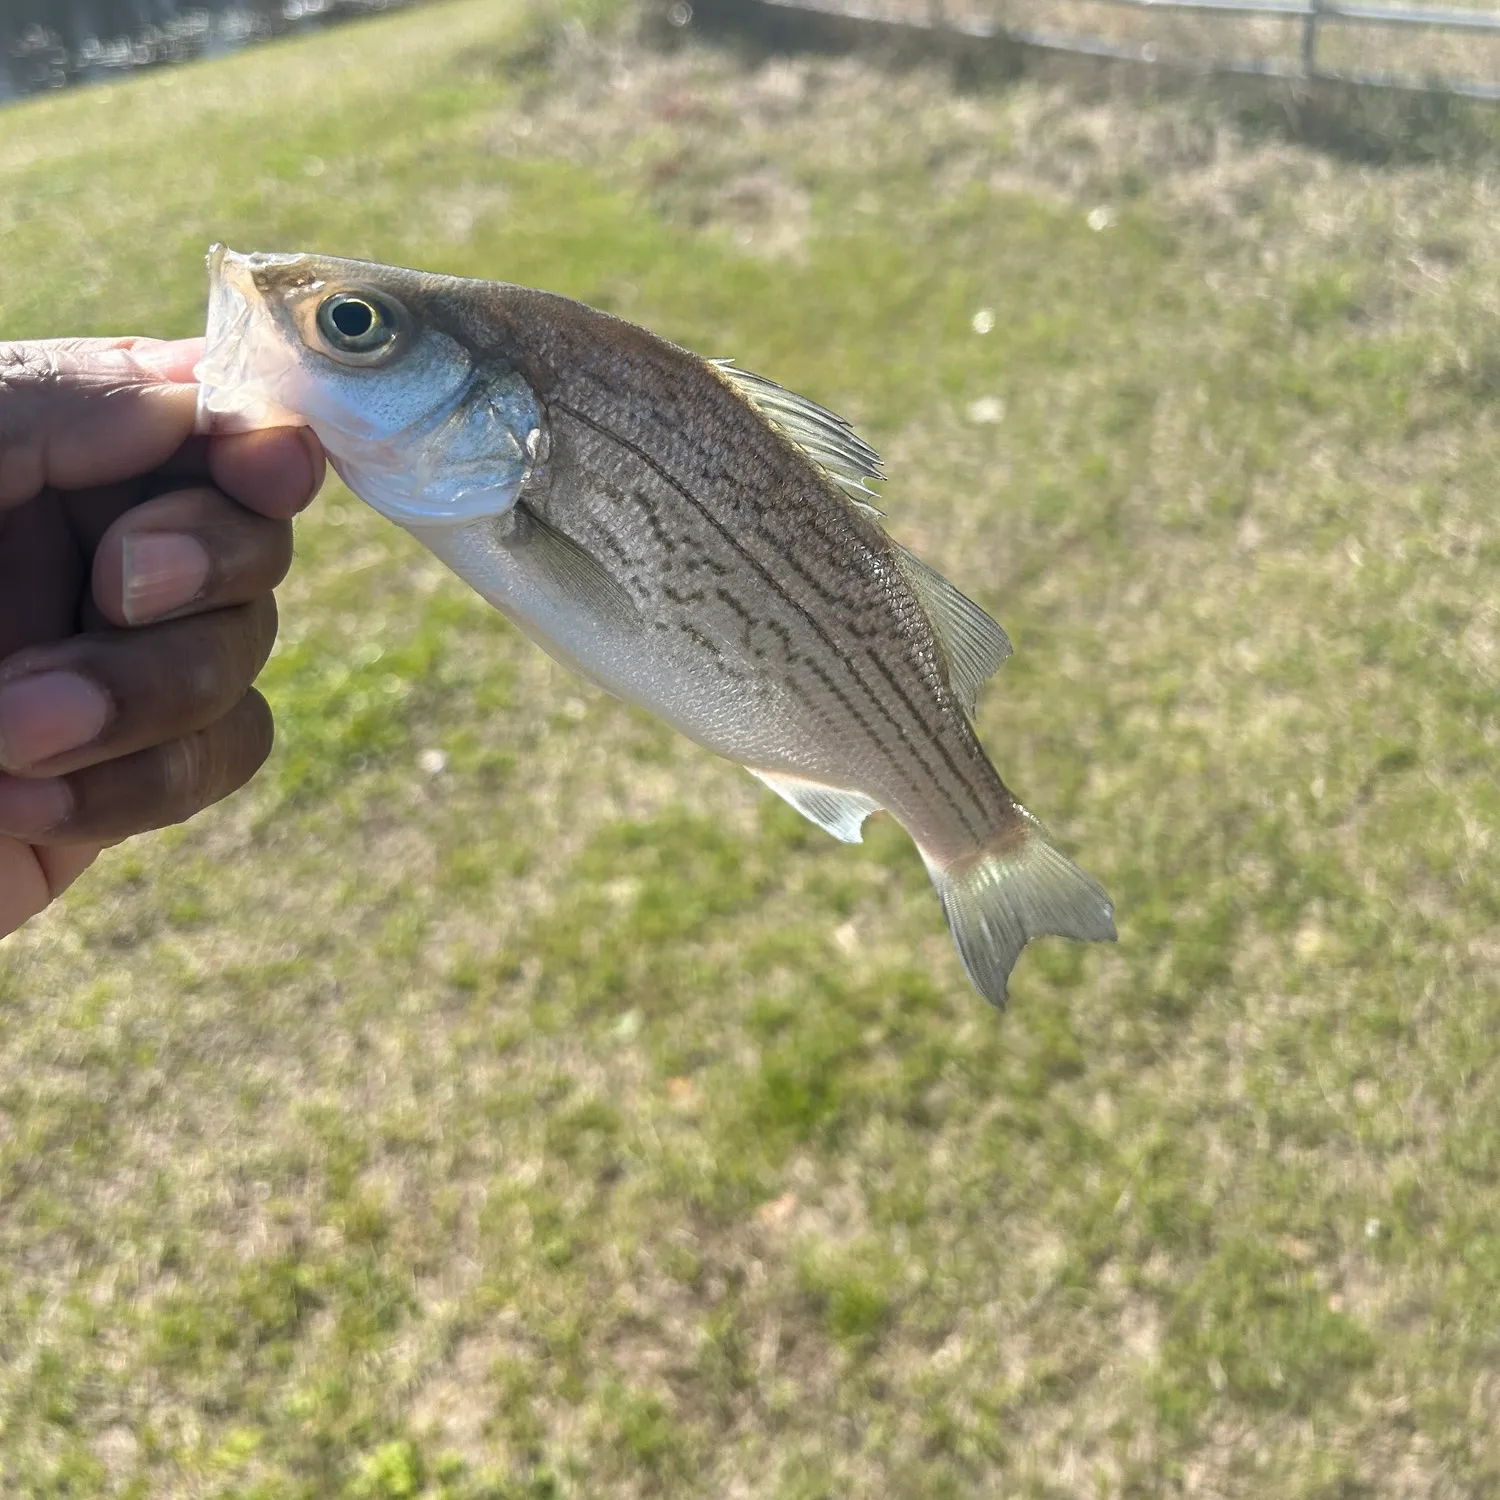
pixel 274 471
pixel 80 412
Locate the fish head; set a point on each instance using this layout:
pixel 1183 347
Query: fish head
pixel 422 415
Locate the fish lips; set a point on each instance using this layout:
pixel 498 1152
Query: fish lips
pixel 241 335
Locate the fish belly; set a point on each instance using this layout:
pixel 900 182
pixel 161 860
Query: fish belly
pixel 669 667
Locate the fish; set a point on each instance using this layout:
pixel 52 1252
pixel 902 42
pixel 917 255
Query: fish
pixel 694 538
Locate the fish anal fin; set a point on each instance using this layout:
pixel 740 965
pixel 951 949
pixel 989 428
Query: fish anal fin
pixel 973 644
pixel 833 809
pixel 567 565
pixel 827 439
pixel 1019 888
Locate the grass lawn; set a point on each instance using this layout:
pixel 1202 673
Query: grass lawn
pixel 504 1098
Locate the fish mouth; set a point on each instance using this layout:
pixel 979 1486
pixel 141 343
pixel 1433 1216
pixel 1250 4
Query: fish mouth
pixel 245 360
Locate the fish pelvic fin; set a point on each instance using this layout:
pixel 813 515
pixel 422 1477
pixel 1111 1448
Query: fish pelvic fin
pixel 1019 887
pixel 834 810
pixel 826 438
pixel 973 644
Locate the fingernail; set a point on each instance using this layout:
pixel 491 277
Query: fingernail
pixel 47 714
pixel 163 571
pixel 28 809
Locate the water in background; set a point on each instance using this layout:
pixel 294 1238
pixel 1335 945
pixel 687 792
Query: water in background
pixel 51 44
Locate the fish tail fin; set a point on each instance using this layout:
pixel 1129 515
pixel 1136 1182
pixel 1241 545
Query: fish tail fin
pixel 1017 887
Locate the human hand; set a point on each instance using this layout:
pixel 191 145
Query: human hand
pixel 136 569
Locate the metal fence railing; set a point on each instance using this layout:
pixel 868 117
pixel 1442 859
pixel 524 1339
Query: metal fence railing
pixel 1438 49
pixel 1449 48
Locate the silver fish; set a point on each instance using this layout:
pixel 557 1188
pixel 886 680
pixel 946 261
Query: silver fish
pixel 693 538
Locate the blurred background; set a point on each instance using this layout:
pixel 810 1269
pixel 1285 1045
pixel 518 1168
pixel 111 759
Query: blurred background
pixel 50 44
pixel 503 1098
pixel 1422 46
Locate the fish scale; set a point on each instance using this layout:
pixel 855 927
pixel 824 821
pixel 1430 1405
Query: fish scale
pixel 831 672
pixel 780 496
pixel 692 537
pixel 882 704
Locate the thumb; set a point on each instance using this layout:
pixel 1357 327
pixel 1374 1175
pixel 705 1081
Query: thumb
pixel 78 412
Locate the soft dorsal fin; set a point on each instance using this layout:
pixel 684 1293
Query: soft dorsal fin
pixel 973 644
pixel 825 438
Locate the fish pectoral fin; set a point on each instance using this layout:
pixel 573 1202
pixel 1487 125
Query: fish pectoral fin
pixel 570 567
pixel 833 809
pixel 973 644
pixel 824 437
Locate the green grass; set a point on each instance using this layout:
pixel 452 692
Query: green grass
pixel 562 1116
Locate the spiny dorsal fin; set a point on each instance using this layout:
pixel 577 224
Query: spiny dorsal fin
pixel 973 644
pixel 825 438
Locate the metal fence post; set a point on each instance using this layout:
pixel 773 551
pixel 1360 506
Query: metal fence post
pixel 1310 39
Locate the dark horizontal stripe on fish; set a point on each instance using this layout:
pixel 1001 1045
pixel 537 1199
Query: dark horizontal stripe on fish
pixel 664 539
pixel 668 544
pixel 725 597
pixel 694 634
pixel 688 434
pixel 826 595
pixel 959 773
pixel 791 653
pixel 962 774
pixel 915 746
pixel 628 570
pixel 975 831
pixel 844 700
pixel 675 595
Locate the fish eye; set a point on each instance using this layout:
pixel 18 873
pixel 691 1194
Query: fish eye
pixel 356 323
